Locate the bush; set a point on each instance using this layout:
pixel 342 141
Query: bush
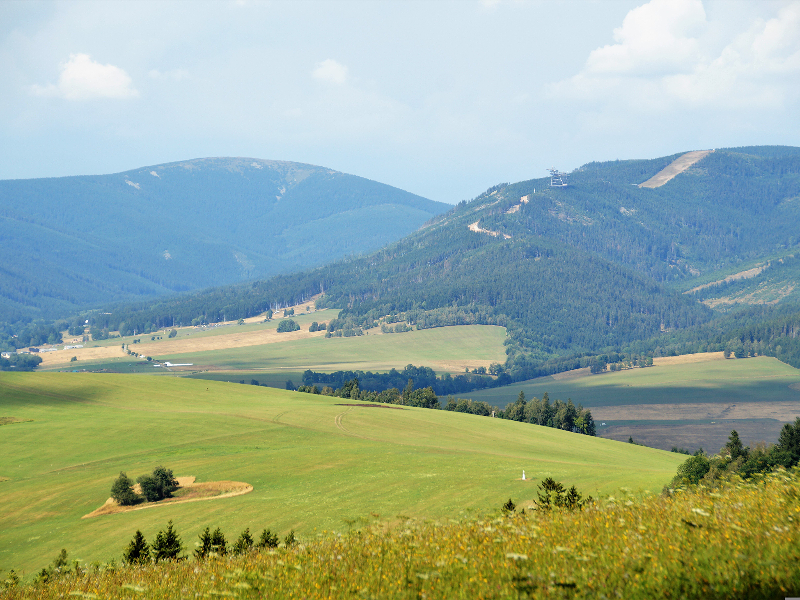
pixel 288 325
pixel 695 468
pixel 172 333
pixel 159 485
pixel 122 491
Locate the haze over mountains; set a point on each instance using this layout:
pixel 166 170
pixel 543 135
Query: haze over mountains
pixel 76 242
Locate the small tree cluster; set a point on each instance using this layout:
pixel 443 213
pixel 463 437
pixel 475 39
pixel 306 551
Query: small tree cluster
pixel 551 494
pixel 156 486
pixel 288 325
pixel 159 485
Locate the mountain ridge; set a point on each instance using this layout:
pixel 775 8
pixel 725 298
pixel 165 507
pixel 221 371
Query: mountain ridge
pixel 84 240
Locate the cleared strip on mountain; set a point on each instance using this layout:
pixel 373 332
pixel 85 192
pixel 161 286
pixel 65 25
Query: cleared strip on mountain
pixel 676 167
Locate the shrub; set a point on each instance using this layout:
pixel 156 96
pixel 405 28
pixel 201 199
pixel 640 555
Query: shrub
pixel 122 491
pixel 695 468
pixel 288 325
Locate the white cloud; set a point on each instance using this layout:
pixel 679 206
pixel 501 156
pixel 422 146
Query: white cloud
pixel 653 37
pixel 82 79
pixel 664 56
pixel 330 71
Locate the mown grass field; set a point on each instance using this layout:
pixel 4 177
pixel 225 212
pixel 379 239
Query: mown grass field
pixel 737 541
pixel 314 465
pixel 445 349
pixel 442 348
pixel 688 401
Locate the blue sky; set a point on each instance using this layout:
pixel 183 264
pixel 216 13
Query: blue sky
pixel 443 99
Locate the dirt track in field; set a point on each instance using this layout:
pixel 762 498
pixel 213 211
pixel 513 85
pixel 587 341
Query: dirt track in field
pixel 193 492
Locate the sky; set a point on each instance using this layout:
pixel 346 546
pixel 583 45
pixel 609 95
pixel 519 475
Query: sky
pixel 441 98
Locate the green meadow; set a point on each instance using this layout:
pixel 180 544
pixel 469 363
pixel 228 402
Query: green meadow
pixel 459 344
pixel 314 463
pixel 760 379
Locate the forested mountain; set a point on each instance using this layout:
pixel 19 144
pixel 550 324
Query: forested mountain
pixel 572 272
pixel 73 242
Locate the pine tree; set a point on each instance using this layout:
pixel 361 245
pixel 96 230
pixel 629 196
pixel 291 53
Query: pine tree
pixel 218 544
pixel 268 540
pixel 167 545
pixel 204 549
pixel 137 552
pixel 244 543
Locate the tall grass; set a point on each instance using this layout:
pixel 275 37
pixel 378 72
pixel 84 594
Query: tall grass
pixel 741 540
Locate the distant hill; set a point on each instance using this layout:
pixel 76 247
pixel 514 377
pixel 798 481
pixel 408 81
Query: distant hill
pixel 74 242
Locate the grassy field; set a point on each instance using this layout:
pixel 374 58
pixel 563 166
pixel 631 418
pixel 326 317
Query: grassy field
pixel 691 401
pixel 737 541
pixel 445 349
pixel 314 464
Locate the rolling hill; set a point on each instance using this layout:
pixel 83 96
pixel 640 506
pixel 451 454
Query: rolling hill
pixel 314 462
pixel 75 242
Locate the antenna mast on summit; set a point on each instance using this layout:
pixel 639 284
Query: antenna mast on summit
pixel 557 178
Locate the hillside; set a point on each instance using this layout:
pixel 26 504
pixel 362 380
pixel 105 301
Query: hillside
pixel 75 242
pixel 314 462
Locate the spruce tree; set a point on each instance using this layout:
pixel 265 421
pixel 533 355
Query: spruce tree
pixel 137 552
pixel 167 545
pixel 244 543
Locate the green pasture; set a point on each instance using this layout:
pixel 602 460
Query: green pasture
pixel 760 379
pixel 370 352
pixel 315 464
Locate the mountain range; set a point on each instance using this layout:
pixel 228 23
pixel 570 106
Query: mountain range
pixel 637 256
pixel 75 242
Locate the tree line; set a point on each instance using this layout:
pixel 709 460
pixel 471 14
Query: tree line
pixel 559 415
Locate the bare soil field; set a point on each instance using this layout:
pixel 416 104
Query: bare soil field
pixel 676 167
pixel 188 491
pixel 714 435
pixel 781 411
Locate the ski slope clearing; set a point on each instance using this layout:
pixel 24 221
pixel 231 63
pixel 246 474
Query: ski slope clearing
pixel 676 167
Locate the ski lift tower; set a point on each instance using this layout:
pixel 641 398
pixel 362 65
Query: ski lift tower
pixel 557 178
